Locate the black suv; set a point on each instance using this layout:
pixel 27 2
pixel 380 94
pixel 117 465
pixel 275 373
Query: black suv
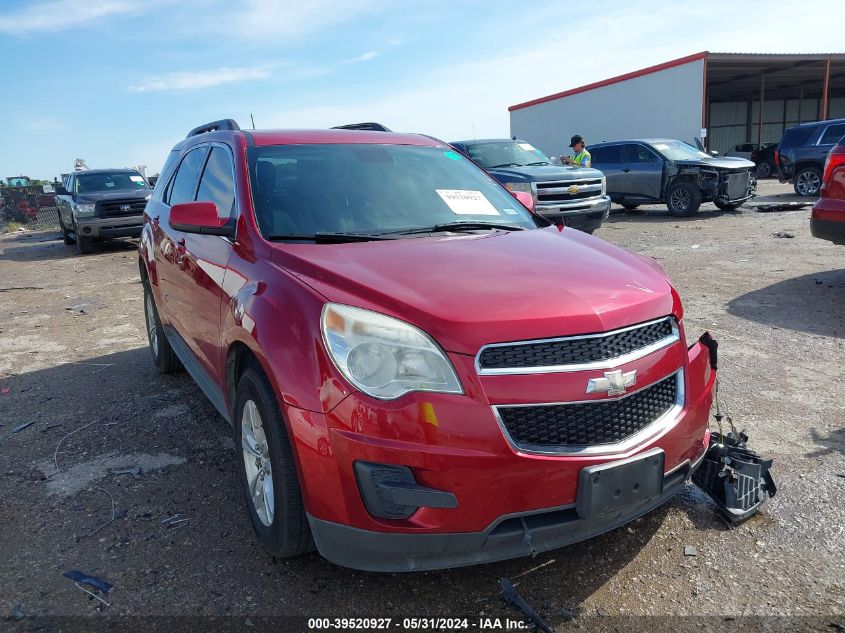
pixel 645 171
pixel 802 151
pixel 98 204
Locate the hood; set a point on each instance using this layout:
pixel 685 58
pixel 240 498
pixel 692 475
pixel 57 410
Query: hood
pixel 543 173
pixel 120 194
pixel 719 163
pixel 472 290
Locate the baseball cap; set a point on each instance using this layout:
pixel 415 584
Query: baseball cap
pixel 575 140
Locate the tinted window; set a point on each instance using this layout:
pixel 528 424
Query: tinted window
pixel 796 136
pixel 216 184
pixel 185 182
pixel 109 181
pixel 638 154
pixel 606 155
pixel 832 134
pixel 306 189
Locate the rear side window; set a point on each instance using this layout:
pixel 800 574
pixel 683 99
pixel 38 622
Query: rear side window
pixel 606 155
pixel 185 183
pixel 832 134
pixel 796 136
pixel 217 185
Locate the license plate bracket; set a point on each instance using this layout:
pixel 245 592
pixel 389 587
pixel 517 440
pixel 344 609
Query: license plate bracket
pixel 620 485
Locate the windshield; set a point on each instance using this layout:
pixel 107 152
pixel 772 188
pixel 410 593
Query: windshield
pixel 678 150
pixel 506 153
pixel 373 189
pixel 105 181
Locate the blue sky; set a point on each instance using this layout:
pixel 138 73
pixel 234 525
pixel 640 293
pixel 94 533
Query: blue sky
pixel 118 82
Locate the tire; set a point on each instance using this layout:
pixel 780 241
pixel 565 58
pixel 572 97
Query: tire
pixel 83 245
pixel 164 358
pixel 683 199
pixel 66 234
pixel 764 170
pixel 807 181
pixel 277 511
pixel 727 206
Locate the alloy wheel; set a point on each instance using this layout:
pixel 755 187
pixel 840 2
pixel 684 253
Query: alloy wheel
pixel 152 330
pixel 259 471
pixel 808 183
pixel 680 199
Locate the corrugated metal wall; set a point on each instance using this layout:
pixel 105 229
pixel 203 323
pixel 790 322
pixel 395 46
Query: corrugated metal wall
pixel 729 120
pixel 666 103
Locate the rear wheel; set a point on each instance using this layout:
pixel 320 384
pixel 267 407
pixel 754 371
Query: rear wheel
pixel 808 181
pixel 163 355
pixel 268 470
pixel 683 199
pixel 764 170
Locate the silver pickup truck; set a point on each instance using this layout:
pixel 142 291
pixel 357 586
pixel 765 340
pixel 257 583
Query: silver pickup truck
pixel 99 204
pixel 574 194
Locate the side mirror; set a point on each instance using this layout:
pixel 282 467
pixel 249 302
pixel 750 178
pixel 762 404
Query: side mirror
pixel 525 198
pixel 713 153
pixel 200 217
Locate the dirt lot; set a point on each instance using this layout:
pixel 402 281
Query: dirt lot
pixel 73 359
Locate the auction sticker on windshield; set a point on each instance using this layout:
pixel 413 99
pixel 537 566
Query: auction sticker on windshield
pixel 467 202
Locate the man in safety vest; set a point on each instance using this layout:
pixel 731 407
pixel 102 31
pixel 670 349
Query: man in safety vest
pixel 582 157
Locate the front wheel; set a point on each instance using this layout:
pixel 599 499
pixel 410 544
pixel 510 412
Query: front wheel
pixel 84 245
pixel 267 469
pixel 808 181
pixel 683 199
pixel 67 238
pixel 163 355
pixel 728 206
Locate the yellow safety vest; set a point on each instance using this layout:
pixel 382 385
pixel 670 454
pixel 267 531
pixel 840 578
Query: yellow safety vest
pixel 578 159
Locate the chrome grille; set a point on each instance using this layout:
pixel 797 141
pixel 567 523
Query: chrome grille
pixel 560 191
pixel 589 351
pixel 580 425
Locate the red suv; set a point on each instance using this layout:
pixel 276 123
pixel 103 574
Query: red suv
pixel 420 372
pixel 828 218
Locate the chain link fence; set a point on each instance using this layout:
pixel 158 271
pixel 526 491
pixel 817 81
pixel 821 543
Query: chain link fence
pixel 30 208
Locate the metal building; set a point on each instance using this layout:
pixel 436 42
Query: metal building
pixel 727 98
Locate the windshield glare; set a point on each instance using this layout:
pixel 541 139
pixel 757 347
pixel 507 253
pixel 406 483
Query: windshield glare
pixel 677 150
pixel 372 189
pixel 114 181
pixel 506 153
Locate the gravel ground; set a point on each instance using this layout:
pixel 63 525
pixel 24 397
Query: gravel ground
pixel 74 364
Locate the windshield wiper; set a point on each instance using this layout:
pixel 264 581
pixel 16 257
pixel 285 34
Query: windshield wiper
pixel 458 226
pixel 507 165
pixel 542 162
pixel 327 238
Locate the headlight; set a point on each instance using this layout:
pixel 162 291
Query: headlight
pixel 520 186
pixel 382 356
pixel 83 209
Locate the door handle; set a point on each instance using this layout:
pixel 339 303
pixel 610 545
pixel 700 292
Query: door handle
pixel 626 170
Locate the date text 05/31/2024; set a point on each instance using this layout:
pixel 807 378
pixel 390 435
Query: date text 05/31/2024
pixel 417 624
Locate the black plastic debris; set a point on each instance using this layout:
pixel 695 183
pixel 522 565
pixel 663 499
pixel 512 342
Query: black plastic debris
pixel 512 596
pixel 87 579
pixel 734 476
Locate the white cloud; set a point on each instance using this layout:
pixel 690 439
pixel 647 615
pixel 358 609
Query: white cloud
pixel 365 57
pixel 201 79
pixel 58 15
pixel 272 19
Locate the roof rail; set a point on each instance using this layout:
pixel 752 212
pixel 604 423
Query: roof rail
pixel 222 124
pixel 371 127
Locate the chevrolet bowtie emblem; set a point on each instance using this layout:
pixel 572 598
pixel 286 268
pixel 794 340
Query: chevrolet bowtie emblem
pixel 614 382
pixel 574 189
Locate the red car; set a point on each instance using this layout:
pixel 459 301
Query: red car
pixel 420 372
pixel 827 221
